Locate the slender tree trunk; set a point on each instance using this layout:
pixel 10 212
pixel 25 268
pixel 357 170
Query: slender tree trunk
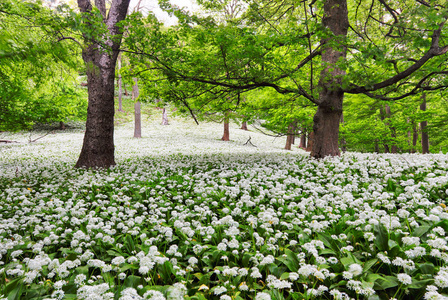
pixel 377 147
pixel 383 116
pixel 343 142
pixel 125 90
pixel 408 121
pixel 137 110
pixel 423 125
pixel 290 136
pixel 61 125
pixel 165 117
pixel 98 145
pixel 414 137
pixel 226 135
pixel 303 139
pixel 244 126
pixel 326 119
pixel 120 87
pixel 393 134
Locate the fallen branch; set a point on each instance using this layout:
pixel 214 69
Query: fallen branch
pixel 7 141
pixel 249 142
pixel 32 141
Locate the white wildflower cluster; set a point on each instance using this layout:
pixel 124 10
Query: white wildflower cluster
pixel 207 207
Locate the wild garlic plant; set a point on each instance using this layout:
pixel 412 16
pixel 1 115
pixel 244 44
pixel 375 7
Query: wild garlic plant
pixel 185 216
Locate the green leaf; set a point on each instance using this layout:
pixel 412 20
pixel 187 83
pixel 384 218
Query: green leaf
pixel 373 277
pixel 132 281
pixel 291 260
pixel 418 284
pixel 14 288
pixel 284 276
pixel 419 231
pixel 369 264
pixel 381 237
pixel 427 268
pixel 387 282
pixel 347 261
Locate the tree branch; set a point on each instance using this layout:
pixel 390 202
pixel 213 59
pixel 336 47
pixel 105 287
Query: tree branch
pixel 434 50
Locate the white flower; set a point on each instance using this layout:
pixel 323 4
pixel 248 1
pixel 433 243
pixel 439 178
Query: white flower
pixel 355 269
pixel 153 295
pixel 79 279
pixel 404 278
pixel 219 290
pixel 262 296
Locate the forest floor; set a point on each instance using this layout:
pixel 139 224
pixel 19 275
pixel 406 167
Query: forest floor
pixel 184 215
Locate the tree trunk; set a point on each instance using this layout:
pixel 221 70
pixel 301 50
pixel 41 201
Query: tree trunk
pixel 414 138
pixel 303 139
pixel 343 142
pixel 61 125
pixel 423 124
pixel 98 145
pixel 137 110
pixel 290 136
pixel 165 117
pixel 393 134
pixel 244 126
pixel 383 117
pixel 309 148
pixel 326 119
pixel 226 135
pixel 120 86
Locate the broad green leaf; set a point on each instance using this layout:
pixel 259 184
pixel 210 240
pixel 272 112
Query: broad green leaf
pixel 381 237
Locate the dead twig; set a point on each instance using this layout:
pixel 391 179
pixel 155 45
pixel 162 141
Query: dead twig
pixel 249 142
pixel 32 141
pixel 8 141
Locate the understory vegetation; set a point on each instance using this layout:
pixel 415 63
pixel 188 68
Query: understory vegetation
pixel 185 216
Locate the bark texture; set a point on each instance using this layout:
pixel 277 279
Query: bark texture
pixel 290 136
pixel 120 87
pixel 226 135
pixel 326 119
pixel 414 138
pixel 98 145
pixel 303 139
pixel 244 126
pixel 165 117
pixel 423 124
pixel 309 148
pixel 137 111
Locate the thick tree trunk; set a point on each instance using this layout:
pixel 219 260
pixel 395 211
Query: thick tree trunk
pixel 326 119
pixel 244 126
pixel 120 87
pixel 137 111
pixel 165 117
pixel 309 148
pixel 98 145
pixel 423 124
pixel 226 135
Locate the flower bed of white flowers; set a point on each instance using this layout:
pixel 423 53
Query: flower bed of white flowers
pixel 185 216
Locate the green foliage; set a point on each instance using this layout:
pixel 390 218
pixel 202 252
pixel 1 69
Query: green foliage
pixel 366 127
pixel 38 74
